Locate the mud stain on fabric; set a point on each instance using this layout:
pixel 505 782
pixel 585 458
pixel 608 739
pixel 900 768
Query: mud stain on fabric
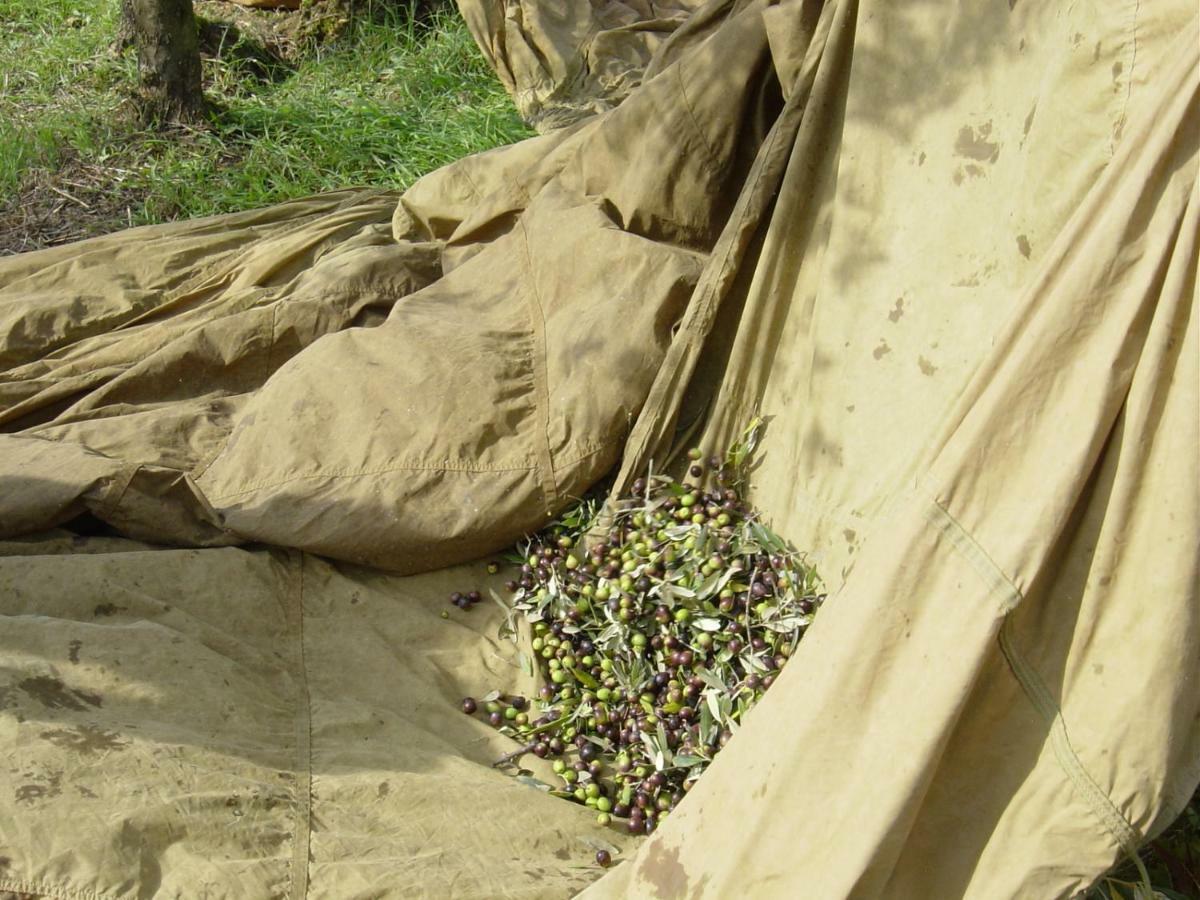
pixel 53 694
pixel 665 873
pixel 85 740
pixel 973 143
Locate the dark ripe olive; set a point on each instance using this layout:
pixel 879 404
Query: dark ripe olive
pixel 753 681
pixel 463 603
pixel 656 642
pixel 620 810
pixel 655 779
pixel 456 597
pixel 636 826
pixel 511 586
pixel 595 769
pixel 806 606
pixel 686 657
pixel 758 643
pixel 579 766
pixel 541 751
pixel 769 662
pixel 726 737
pixel 639 486
pixel 527 582
pixel 758 590
pixel 768 681
pixel 526 569
pixel 714 462
pixel 588 752
pixel 686 714
pixel 468 705
pixel 519 702
pixel 642 584
pixel 603 859
pixel 495 719
pixel 557 746
pixel 673 658
pixel 734 646
pixel 586 646
pixel 670 642
pixel 650 825
pixel 474 596
pixel 641 799
pixel 557 629
pixel 696 471
pixel 662 615
pixel 780 660
pixel 543 573
pixel 729 506
pixel 661 678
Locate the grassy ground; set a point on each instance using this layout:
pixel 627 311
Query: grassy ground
pixel 387 101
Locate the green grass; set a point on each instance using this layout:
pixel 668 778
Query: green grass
pixel 381 105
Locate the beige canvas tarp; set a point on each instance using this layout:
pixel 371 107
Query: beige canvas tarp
pixel 949 254
pixel 564 61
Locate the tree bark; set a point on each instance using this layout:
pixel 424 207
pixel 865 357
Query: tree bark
pixel 124 29
pixel 164 32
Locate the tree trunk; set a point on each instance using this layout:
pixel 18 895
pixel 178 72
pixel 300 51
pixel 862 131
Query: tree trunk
pixel 164 32
pixel 124 29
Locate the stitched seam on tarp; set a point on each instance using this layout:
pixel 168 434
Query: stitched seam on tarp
pixel 588 454
pixel 301 841
pixel 1132 33
pixel 33 887
pixel 1039 696
pixel 383 470
pixel 1034 689
pixel 541 382
pixel 713 164
pixel 114 496
pixel 970 550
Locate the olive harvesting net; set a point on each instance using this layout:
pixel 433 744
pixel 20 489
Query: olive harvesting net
pixel 657 623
